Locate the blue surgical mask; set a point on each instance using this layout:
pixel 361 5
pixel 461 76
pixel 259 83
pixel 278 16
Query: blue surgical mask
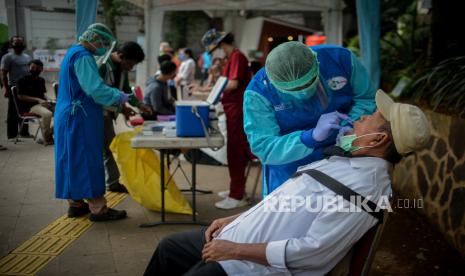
pixel 100 51
pixel 346 141
pixel 182 57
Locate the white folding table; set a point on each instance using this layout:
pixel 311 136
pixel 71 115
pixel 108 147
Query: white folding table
pixel 156 140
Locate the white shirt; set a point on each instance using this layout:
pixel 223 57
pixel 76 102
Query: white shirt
pixel 187 71
pixel 307 242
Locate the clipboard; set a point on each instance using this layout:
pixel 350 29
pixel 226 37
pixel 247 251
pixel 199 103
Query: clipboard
pixel 217 90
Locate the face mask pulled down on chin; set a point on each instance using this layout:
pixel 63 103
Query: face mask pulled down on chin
pixel 346 141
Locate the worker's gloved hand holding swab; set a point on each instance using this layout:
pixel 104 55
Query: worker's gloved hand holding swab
pixel 327 123
pixel 123 97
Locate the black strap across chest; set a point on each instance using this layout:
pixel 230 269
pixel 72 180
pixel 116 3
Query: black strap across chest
pixel 344 191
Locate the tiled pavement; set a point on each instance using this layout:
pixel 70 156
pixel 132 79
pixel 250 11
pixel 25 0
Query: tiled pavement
pixel 27 205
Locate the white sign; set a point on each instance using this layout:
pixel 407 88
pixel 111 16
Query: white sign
pixel 51 58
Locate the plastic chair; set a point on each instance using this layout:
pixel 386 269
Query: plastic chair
pixel 359 259
pixel 26 117
pixel 254 163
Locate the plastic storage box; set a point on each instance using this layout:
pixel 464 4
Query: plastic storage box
pixel 188 124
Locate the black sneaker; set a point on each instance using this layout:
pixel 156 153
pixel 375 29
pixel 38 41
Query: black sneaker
pixel 74 212
pixel 111 214
pixel 117 188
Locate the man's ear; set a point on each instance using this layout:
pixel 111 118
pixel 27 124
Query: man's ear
pixel 380 140
pixel 120 56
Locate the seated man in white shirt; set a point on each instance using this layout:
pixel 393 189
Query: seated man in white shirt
pixel 278 237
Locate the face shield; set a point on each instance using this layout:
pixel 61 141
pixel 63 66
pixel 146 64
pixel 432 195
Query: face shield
pixel 104 58
pixel 101 39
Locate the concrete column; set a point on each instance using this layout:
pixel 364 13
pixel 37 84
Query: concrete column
pixel 332 23
pixel 3 17
pixel 28 28
pixel 11 15
pixel 153 36
pixel 228 22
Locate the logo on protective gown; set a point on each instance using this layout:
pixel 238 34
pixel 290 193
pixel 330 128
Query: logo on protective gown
pixel 337 83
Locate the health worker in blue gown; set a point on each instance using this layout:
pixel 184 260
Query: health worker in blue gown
pixel 79 172
pixel 295 105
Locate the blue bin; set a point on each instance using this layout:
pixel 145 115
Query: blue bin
pixel 187 123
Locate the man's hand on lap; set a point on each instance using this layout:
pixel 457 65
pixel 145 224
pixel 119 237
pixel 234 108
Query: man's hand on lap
pixel 217 225
pixel 219 250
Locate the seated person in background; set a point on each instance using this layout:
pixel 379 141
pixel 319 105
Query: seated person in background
pixel 171 84
pixel 32 98
pixel 280 238
pixel 160 60
pixel 157 95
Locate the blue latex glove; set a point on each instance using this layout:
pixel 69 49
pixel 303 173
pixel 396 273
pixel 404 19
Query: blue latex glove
pixel 343 131
pixel 326 124
pixel 123 97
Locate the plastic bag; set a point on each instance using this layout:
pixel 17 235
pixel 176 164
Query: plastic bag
pixel 140 173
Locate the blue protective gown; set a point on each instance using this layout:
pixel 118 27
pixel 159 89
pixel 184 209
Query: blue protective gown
pixel 78 120
pixel 279 126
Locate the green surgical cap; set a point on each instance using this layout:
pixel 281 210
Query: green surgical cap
pixel 103 32
pixel 291 65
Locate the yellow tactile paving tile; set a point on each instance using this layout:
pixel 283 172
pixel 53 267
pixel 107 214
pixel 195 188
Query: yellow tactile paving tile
pixel 23 264
pixel 40 249
pixel 47 245
pixel 114 198
pixel 65 226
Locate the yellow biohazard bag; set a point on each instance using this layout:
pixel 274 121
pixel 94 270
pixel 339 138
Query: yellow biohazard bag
pixel 140 173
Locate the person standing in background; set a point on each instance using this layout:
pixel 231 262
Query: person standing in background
pixel 14 66
pixel 205 63
pixel 236 69
pixel 164 47
pixel 115 73
pixel 186 72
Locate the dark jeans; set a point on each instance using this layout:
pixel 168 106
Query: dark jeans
pixel 13 121
pixel 181 254
pixel 111 169
pixel 238 150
